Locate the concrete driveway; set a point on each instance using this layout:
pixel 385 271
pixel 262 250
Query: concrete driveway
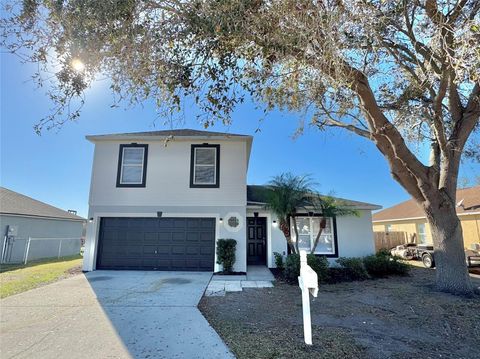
pixel 111 314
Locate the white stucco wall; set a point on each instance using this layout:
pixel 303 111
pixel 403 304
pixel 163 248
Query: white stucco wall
pixel 217 212
pixel 354 236
pixel 168 190
pixel 168 176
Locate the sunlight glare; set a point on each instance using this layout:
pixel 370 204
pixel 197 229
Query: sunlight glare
pixel 78 65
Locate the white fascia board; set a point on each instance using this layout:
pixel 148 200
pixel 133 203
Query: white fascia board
pixel 98 138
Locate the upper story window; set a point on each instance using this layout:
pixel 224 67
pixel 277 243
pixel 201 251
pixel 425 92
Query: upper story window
pixel 132 165
pixel 205 166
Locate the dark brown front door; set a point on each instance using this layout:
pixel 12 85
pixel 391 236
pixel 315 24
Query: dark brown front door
pixel 256 240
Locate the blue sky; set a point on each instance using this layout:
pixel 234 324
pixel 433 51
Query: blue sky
pixel 56 166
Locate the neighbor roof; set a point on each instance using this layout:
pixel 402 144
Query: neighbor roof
pixel 186 132
pixel 257 195
pixel 14 203
pixel 410 209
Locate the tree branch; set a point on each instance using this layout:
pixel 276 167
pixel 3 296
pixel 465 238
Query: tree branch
pixel 470 118
pixel 455 104
pixel 334 123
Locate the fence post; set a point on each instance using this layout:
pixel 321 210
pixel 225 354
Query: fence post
pixel 59 248
pixel 27 250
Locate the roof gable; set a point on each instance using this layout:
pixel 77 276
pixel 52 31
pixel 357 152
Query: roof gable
pixel 15 203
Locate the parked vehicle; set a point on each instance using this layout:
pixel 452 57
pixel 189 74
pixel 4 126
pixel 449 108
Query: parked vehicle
pixel 425 253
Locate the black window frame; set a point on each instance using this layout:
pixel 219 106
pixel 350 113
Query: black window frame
pixel 120 162
pixel 217 166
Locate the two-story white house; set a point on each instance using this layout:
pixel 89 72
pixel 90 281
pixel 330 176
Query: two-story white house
pixel 160 200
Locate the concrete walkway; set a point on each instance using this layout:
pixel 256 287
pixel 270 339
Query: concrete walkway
pixel 256 277
pixel 111 314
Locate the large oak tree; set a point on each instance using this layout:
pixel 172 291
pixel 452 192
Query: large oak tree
pixel 394 72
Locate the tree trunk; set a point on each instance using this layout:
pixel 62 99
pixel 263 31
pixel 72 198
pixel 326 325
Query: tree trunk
pixel 291 245
pixel 323 222
pixel 285 228
pixel 449 255
pixel 295 228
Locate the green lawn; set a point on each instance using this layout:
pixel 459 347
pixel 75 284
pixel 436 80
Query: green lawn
pixel 20 278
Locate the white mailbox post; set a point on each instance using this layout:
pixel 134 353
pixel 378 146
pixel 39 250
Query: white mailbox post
pixel 308 282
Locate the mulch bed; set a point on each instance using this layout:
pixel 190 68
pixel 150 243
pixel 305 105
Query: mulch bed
pixel 396 317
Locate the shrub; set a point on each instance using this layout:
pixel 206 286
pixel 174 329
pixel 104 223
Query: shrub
pixel 381 265
pixel 318 264
pixel 337 275
pixel 383 252
pixel 278 260
pixel 353 268
pixel 226 249
pixel 292 267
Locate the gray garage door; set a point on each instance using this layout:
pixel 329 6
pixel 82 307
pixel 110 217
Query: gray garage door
pixel 157 244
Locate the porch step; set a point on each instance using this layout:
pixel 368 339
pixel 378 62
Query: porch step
pixel 259 273
pixel 218 288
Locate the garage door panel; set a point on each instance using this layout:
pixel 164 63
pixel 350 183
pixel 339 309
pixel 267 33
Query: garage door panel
pixel 178 237
pixel 178 250
pixel 149 249
pixel 206 236
pixel 192 236
pixel 150 237
pixel 207 224
pixel 205 251
pixel 192 250
pixel 157 243
pixel 164 237
pixel 163 249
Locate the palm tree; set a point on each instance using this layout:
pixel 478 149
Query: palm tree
pixel 287 194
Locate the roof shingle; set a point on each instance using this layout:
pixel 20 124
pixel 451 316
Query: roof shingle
pixel 258 195
pixel 18 204
pixel 410 208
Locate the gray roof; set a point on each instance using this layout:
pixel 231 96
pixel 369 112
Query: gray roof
pixel 257 196
pixel 186 132
pixel 15 203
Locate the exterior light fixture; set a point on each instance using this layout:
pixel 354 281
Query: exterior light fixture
pixel 275 224
pixel 221 220
pixel 90 219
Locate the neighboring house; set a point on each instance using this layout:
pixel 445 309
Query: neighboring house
pixel 161 199
pixel 23 217
pixel 408 217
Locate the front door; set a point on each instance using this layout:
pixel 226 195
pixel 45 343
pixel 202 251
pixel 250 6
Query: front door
pixel 256 240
